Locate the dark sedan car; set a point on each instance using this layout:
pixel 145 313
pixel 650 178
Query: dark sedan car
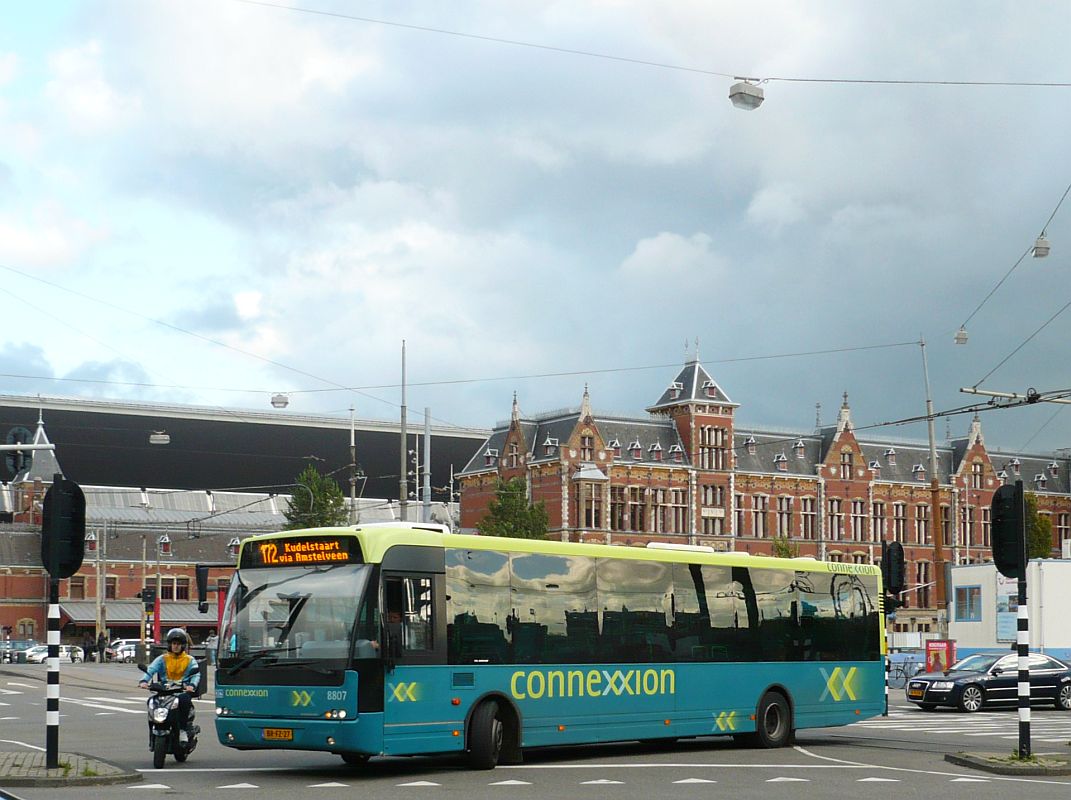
pixel 991 680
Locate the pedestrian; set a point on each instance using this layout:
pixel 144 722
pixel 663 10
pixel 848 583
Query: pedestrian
pixel 87 647
pixel 211 643
pixel 102 643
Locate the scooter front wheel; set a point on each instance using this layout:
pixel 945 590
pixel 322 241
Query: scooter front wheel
pixel 159 751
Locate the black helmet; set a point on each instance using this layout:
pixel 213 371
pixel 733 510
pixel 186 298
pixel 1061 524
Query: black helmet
pixel 177 635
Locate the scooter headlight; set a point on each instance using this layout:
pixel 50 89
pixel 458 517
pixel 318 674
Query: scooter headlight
pixel 159 715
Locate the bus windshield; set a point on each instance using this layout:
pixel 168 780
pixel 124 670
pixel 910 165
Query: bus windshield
pixel 312 618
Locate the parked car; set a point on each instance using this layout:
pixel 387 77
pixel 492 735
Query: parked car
pixel 127 652
pixel 119 649
pixel 10 649
pixel 991 680
pixel 38 654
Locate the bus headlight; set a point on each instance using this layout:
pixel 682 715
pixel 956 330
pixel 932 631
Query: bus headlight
pixel 220 711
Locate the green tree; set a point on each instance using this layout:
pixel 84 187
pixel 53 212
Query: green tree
pixel 316 502
pixel 1038 530
pixel 510 514
pixel 784 548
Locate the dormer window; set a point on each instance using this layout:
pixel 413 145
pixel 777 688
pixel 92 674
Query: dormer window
pixel 919 472
pixel 875 467
pixel 676 452
pixel 1040 480
pixel 750 444
pixel 1054 469
pixel 636 449
pixel 490 457
pixel 675 389
pixel 550 444
pixel 1003 477
pixel 890 457
pixel 709 389
pixel 615 445
pixel 781 462
pixel 801 448
pixel 1015 465
pixel 656 451
pixel 514 455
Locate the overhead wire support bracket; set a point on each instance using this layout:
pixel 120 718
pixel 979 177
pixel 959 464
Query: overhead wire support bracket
pixel 1031 396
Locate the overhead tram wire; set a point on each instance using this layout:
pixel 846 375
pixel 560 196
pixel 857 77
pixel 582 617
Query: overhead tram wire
pixel 643 62
pixel 1023 344
pixel 1019 261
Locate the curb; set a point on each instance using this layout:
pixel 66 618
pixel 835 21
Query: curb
pixel 1000 764
pixel 32 772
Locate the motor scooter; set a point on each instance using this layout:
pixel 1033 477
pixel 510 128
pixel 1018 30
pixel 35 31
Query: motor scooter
pixel 165 736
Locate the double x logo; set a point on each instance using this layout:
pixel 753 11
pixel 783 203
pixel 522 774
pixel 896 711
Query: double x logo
pixel 839 684
pixel 300 698
pixel 726 722
pixel 404 691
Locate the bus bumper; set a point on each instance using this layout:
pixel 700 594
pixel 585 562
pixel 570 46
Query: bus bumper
pixel 361 735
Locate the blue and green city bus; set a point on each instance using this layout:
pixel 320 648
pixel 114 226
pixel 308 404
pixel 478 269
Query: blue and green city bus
pixel 402 639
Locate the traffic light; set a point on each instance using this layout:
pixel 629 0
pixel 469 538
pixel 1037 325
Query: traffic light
pixel 892 567
pixel 1008 510
pixel 148 597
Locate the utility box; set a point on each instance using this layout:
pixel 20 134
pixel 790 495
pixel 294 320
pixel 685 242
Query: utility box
pixel 983 607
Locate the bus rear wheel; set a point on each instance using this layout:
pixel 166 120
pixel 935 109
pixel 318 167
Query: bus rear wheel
pixel 485 736
pixel 773 722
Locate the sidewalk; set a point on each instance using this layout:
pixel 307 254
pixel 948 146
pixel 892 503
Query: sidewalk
pixel 27 768
pixel 1004 764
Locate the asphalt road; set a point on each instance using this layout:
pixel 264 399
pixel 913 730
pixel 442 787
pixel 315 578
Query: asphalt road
pixel 102 714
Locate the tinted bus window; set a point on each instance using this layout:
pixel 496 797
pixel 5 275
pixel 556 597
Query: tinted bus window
pixel 634 598
pixel 704 612
pixel 554 612
pixel 478 606
pixel 775 600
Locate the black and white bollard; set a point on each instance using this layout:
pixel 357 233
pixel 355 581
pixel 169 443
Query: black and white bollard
pixel 53 692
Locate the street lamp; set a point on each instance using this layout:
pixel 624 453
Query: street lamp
pixel 280 400
pixel 746 95
pixel 1041 246
pixel 961 335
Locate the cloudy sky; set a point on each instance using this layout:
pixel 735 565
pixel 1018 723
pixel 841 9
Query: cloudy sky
pixel 208 201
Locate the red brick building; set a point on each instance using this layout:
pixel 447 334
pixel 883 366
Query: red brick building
pixel 688 473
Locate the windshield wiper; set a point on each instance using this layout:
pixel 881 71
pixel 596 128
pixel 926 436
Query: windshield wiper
pixel 259 654
pixel 299 662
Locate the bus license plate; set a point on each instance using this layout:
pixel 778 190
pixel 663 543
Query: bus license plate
pixel 279 734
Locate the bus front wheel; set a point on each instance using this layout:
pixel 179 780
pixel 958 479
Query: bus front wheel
pixel 485 736
pixel 773 722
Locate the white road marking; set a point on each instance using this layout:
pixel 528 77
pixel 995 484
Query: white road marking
pixel 878 780
pixel 9 691
pixel 695 780
pixel 23 685
pixel 84 704
pixel 4 718
pixel 601 782
pixel 510 783
pixel 239 786
pixel 105 713
pixel 794 780
pixel 23 744
pixel 420 783
pixel 969 780
pixel 331 785
pixel 149 786
pixel 113 700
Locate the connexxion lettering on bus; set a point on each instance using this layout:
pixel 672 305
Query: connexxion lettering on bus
pixel 404 639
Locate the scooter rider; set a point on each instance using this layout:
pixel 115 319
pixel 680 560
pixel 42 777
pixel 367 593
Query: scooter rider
pixel 179 666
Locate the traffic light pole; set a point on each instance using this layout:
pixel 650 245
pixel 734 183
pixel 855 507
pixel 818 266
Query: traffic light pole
pixel 1022 637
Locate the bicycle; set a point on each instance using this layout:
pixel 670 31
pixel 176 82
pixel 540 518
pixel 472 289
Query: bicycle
pixel 901 672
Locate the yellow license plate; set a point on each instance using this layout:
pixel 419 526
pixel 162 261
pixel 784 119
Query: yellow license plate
pixel 279 734
pixel 915 692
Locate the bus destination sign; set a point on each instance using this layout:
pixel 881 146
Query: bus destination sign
pixel 300 551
